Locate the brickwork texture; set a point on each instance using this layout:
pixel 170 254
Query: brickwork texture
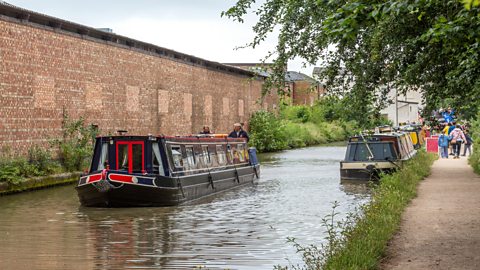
pixel 46 72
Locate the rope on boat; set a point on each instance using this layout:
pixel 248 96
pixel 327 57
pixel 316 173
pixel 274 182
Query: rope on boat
pixel 255 170
pixel 210 177
pixel 179 183
pixel 237 177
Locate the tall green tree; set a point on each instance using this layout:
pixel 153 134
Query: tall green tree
pixel 371 46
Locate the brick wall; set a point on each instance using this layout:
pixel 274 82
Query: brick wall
pixel 44 72
pixel 305 93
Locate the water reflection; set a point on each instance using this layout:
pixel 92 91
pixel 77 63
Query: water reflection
pixel 357 187
pixel 244 228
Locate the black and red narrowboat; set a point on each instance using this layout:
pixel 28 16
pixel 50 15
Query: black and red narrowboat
pixel 132 171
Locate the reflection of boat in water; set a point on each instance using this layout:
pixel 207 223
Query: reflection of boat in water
pixel 126 238
pixel 359 188
pixel 368 156
pixel 162 171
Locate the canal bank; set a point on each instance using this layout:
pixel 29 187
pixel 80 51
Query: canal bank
pixel 41 182
pixel 440 229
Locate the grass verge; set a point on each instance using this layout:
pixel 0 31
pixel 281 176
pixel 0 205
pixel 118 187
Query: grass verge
pixel 365 242
pixel 474 161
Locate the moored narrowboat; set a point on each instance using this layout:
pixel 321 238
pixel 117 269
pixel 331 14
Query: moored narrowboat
pixel 416 133
pixel 370 155
pixel 164 171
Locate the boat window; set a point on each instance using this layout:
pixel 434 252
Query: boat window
pixel 206 155
pixel 122 157
pixel 241 152
pixel 221 157
pixel 157 164
pixel 176 156
pixel 230 154
pixel 190 157
pixel 103 162
pixel 137 154
pixel 361 152
pixel 380 150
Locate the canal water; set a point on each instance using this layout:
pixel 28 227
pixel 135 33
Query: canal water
pixel 245 228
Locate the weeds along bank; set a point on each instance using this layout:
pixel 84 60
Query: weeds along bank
pixel 474 159
pixel 359 241
pixel 69 154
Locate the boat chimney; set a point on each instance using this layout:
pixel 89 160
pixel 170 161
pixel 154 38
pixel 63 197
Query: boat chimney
pixel 121 132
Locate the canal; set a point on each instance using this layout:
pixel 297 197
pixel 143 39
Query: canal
pixel 244 228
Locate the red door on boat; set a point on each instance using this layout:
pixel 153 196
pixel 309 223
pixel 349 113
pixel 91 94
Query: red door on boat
pixel 130 156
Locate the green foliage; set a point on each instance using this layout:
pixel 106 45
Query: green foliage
pixel 431 46
pixel 359 241
pixel 298 113
pixel 13 169
pixel 74 151
pixel 471 3
pixel 76 145
pixel 474 159
pixel 43 161
pixel 299 126
pixel 267 132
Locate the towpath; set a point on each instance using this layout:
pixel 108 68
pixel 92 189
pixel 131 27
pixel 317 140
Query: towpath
pixel 440 229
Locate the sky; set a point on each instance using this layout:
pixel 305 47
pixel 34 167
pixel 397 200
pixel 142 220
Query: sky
pixel 192 27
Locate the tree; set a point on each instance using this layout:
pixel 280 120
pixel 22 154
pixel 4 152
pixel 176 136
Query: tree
pixel 425 45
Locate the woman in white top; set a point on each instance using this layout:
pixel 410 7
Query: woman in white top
pixel 457 139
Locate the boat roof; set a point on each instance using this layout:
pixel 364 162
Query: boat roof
pixel 376 136
pixel 177 138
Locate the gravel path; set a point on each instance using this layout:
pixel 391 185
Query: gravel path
pixel 440 229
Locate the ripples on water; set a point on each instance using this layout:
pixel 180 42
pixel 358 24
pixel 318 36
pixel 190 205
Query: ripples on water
pixel 245 228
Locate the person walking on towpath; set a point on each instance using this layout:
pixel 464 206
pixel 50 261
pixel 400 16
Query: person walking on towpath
pixel 457 139
pixel 468 144
pixel 443 143
pixel 238 132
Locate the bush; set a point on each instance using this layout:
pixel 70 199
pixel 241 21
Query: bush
pixel 43 161
pixel 297 113
pixel 76 146
pixel 13 169
pixel 74 152
pixel 474 159
pixel 267 132
pixel 299 126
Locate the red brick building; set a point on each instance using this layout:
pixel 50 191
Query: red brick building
pixel 304 90
pixel 49 66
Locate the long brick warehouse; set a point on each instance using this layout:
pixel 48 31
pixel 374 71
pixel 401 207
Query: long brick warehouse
pixel 49 66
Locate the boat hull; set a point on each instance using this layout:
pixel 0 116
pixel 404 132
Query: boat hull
pixel 164 191
pixel 366 171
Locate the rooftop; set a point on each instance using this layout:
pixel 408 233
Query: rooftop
pixel 293 76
